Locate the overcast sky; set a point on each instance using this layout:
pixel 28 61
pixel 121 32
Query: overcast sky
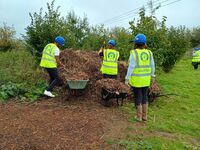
pixel 111 13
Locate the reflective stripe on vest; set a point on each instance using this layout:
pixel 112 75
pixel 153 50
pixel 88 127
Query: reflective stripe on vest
pixel 48 58
pixel 110 62
pixel 196 58
pixel 141 74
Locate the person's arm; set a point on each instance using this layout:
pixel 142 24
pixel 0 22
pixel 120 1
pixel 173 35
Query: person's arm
pixel 59 62
pixel 193 53
pixel 100 53
pixel 131 67
pixel 118 56
pixel 152 66
pixel 57 53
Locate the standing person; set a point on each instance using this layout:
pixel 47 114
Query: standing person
pixel 140 70
pixel 50 60
pixel 196 57
pixel 110 56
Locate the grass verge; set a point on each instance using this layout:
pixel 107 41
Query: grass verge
pixel 174 121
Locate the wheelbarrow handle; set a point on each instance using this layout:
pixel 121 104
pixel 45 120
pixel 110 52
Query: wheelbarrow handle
pixel 65 70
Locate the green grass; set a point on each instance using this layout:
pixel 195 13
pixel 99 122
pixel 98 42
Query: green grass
pixel 19 72
pixel 174 121
pixel 18 66
pixel 153 143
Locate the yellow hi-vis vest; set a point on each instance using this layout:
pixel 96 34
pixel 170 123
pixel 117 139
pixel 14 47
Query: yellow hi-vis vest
pixel 48 57
pixel 110 62
pixel 141 75
pixel 196 58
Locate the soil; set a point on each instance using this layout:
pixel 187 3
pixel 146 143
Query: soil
pixel 59 124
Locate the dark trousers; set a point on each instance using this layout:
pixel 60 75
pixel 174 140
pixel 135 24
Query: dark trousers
pixel 140 95
pixel 195 64
pixel 54 78
pixel 105 76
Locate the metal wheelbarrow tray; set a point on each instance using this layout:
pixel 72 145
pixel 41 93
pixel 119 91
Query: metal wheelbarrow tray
pixel 107 95
pixel 76 87
pixel 77 84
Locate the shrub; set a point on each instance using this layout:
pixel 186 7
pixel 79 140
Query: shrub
pixel 179 44
pixel 44 28
pixel 6 37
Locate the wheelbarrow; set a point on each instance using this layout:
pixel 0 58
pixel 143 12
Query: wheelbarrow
pixel 76 87
pixel 107 95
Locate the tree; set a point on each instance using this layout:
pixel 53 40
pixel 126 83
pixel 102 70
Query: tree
pixel 195 37
pixel 179 44
pixel 44 28
pixel 122 37
pixel 97 37
pixel 78 30
pixel 168 45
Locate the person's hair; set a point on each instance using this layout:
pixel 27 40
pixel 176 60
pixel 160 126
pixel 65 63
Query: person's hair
pixel 111 46
pixel 139 46
pixel 57 44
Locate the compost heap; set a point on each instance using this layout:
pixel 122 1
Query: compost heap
pixel 83 65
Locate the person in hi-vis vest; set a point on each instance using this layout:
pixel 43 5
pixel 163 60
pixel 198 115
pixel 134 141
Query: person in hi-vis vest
pixel 50 60
pixel 140 70
pixel 110 56
pixel 196 57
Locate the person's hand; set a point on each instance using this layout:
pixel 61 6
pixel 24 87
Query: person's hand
pixel 153 78
pixel 62 67
pixel 100 51
pixel 126 81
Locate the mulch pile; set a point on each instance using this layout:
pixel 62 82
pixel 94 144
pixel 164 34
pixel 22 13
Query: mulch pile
pixel 80 65
pixel 84 65
pixel 122 69
pixel 113 85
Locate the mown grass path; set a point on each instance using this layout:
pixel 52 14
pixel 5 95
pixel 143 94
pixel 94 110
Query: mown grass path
pixel 174 121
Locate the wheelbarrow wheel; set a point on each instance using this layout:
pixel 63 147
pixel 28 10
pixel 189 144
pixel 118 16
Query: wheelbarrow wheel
pixel 67 98
pixel 107 103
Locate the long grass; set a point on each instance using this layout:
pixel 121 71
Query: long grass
pixel 19 69
pixel 18 66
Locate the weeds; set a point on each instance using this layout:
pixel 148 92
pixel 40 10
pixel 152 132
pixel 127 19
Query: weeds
pixel 20 77
pixel 9 90
pixel 19 91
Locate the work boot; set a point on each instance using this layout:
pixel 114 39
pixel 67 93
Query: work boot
pixel 48 93
pixel 138 116
pixel 144 112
